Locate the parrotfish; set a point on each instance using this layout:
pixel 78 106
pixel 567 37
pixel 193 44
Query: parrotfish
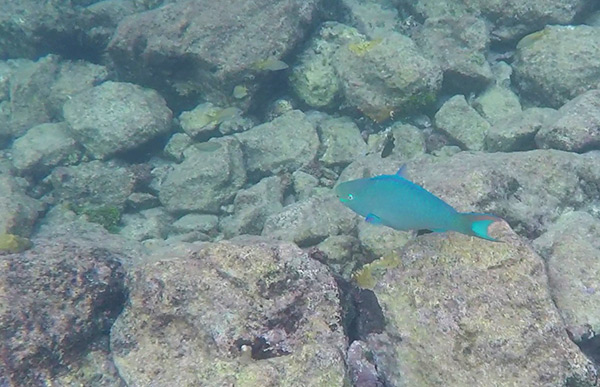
pixel 396 202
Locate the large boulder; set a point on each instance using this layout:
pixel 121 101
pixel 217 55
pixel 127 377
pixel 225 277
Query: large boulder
pixel 248 312
pixel 205 48
pixel 56 299
pixel 115 117
pixel 205 180
pixel 557 64
pixel 458 308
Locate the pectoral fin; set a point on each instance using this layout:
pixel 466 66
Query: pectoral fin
pixel 373 219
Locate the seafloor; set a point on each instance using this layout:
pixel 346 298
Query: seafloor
pixel 168 212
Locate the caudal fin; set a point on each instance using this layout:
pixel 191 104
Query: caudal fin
pixel 477 224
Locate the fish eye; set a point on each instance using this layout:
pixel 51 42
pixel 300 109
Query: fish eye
pixel 350 196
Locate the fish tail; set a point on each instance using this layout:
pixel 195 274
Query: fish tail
pixel 476 224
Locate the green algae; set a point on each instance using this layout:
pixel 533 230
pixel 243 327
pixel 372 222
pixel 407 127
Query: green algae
pixel 12 244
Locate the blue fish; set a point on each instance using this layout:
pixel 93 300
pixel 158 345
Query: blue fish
pixel 396 202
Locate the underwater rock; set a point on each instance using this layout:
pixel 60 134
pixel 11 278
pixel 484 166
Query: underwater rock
pixel 93 184
pixel 557 64
pixel 458 308
pixel 496 103
pixel 457 119
pixel 182 41
pixel 373 18
pixel 385 75
pixel 285 144
pixel 508 20
pixel 252 206
pixel 18 212
pixel 204 181
pixel 571 247
pixel 310 221
pixel 152 223
pixel 459 46
pixel 341 141
pixel 245 312
pixel 576 127
pixel 55 299
pixel 314 78
pixel 116 117
pixel 44 147
pixel 517 132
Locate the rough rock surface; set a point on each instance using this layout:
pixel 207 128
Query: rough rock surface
pixel 517 132
pixel 18 212
pixel 458 45
pixel 44 147
pixel 571 248
pixel 115 117
pixel 54 300
pixel 385 75
pixel 310 221
pixel 206 47
pixel 577 125
pixel 234 313
pixel 508 20
pixel 459 307
pixel 545 69
pixel 457 119
pixel 93 183
pixel 252 206
pixel 285 144
pixel 204 180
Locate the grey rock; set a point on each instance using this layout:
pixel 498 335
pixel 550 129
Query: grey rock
pixel 577 125
pixel 195 222
pixel 178 41
pixel 18 212
pixel 458 45
pixel 496 103
pixel 29 86
pixel 176 145
pixel 93 184
pixel 44 147
pixel 409 141
pixel 282 145
pixel 457 119
pixel 55 299
pixel 507 20
pixel 477 308
pixel 373 18
pixel 200 122
pixel 304 184
pixel 72 78
pixel 545 69
pixel 360 366
pixel 204 181
pixel 141 201
pixel 571 249
pixel 379 242
pixel 115 117
pixel 311 221
pixel 386 75
pixel 146 224
pixel 252 206
pixel 314 78
pixel 341 253
pixel 517 132
pixel 341 141
pixel 29 30
pixel 249 311
pixel 34 92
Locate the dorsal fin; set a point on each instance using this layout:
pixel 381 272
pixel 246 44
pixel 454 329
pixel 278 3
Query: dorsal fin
pixel 402 171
